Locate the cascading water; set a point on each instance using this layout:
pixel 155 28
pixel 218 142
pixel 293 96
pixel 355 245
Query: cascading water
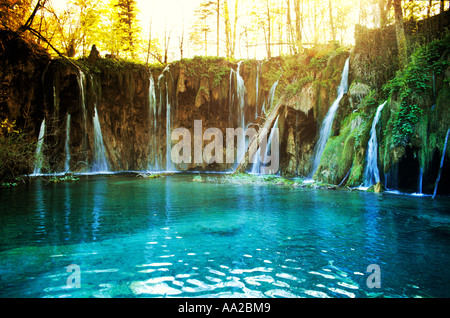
pixel 441 165
pixel 258 159
pixel 419 183
pixel 100 163
pixel 258 70
pixel 372 174
pixel 153 112
pixel 82 84
pixel 162 77
pixel 327 123
pixel 168 132
pixel 241 92
pixel 272 94
pixel 421 180
pixel 39 154
pixel 67 145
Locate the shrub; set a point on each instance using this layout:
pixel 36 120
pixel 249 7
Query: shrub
pixel 17 153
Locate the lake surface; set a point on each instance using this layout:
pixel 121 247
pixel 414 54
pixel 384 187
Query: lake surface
pixel 171 237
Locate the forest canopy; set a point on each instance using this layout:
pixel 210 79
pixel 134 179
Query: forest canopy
pixel 130 29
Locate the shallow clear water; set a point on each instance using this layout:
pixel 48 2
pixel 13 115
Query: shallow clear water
pixel 171 237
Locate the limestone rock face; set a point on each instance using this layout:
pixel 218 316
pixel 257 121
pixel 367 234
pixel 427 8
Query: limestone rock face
pixel 138 107
pixel 22 65
pixel 304 113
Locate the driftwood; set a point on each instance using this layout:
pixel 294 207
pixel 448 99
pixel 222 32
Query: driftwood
pixel 256 140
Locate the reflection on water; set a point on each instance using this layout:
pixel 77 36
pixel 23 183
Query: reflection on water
pixel 171 237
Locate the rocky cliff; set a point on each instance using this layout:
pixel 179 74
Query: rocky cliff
pixel 136 107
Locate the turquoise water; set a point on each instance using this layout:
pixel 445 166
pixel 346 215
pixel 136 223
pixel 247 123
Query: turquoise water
pixel 171 237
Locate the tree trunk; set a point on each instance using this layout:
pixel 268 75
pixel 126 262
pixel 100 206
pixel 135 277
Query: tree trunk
pixel 30 19
pixel 206 41
pixel 233 51
pixel 333 31
pixel 268 29
pixel 227 28
pixel 149 41
pixel 298 24
pixel 383 13
pixel 290 34
pixel 400 33
pixel 218 20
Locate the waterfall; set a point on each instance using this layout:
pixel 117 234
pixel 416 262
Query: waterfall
pixel 256 169
pixel 258 70
pixel 39 154
pixel 241 92
pixel 82 84
pixel 420 182
pixel 100 162
pixel 372 174
pixel 441 165
pixel 153 149
pixel 272 95
pixel 263 109
pixel 169 166
pixel 67 145
pixel 327 123
pixel 168 132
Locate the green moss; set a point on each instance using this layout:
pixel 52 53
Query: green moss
pixel 213 68
pixel 108 64
pixel 67 178
pixel 356 175
pixel 154 175
pixel 246 178
pixel 346 151
pixel 412 87
pixel 294 88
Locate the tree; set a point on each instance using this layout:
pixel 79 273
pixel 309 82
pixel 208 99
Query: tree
pixel 290 31
pixel 298 24
pixel 166 44
pixel 14 14
pixel 90 12
pixel 333 31
pixel 226 14
pixel 17 153
pixel 268 37
pixel 129 26
pixel 383 12
pixel 76 27
pixel 149 45
pixel 218 25
pixel 201 27
pixel 400 33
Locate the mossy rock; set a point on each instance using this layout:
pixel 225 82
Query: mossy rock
pixel 377 188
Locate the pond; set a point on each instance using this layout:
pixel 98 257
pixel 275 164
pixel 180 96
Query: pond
pixel 127 236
